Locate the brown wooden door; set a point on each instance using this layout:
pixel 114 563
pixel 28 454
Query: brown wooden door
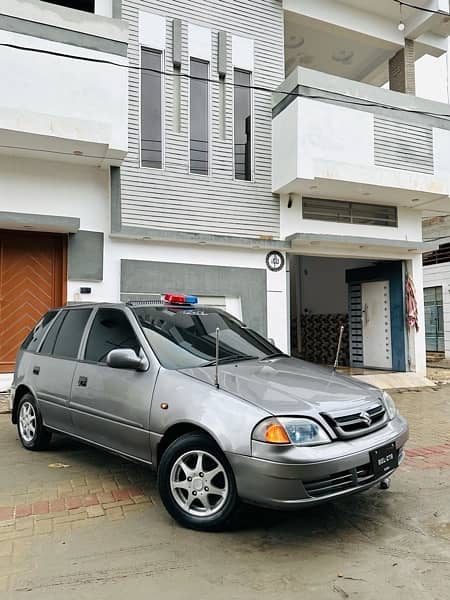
pixel 32 280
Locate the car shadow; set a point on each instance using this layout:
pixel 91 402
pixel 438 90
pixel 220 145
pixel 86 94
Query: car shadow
pixel 360 514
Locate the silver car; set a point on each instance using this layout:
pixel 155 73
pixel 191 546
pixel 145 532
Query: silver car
pixel 215 408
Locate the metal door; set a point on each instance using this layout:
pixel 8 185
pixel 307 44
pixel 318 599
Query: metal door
pixel 376 324
pixel 434 319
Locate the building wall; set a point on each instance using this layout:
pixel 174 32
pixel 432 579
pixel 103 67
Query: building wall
pixel 292 221
pixel 439 276
pixel 51 102
pixel 318 276
pixel 33 187
pixel 216 204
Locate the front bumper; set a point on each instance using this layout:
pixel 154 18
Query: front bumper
pixel 307 476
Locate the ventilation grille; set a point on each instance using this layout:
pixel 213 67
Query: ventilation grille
pixel 403 146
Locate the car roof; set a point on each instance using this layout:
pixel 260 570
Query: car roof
pixel 135 304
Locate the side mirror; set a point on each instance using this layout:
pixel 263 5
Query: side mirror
pixel 126 358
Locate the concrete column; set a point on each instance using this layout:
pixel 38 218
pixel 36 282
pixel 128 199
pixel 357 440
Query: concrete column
pixel 402 70
pixel 278 307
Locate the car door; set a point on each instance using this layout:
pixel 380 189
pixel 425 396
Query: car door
pixel 52 367
pixel 111 406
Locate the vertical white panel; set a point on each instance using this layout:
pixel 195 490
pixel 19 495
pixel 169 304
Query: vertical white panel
pixel 199 42
pixel 277 308
pixel 103 8
pixel 233 305
pixel 152 31
pixel 243 53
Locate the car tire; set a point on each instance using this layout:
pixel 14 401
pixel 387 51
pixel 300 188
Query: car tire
pixel 197 485
pixel 32 433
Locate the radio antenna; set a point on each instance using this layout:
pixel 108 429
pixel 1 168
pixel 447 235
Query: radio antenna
pixel 216 379
pixel 336 360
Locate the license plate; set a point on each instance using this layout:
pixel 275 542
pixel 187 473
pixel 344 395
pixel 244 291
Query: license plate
pixel 384 459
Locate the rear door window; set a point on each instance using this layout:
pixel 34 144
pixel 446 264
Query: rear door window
pixel 34 338
pixel 70 334
pixel 110 329
pixel 64 338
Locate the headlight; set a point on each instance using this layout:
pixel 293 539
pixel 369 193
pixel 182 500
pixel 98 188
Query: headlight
pixel 287 430
pixel 389 405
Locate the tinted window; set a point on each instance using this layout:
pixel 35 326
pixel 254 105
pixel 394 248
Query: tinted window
pixel 70 333
pixel 199 117
pixel 187 338
pixel 242 125
pixel 151 109
pixel 49 342
pixel 111 329
pixel 34 338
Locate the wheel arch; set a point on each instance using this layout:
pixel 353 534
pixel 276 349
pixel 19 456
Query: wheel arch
pixel 19 394
pixel 177 430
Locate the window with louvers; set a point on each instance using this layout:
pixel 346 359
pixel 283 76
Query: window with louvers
pixel 356 213
pixel 436 257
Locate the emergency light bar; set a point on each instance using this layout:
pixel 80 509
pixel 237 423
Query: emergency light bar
pixel 180 299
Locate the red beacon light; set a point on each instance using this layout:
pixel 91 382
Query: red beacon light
pixel 180 299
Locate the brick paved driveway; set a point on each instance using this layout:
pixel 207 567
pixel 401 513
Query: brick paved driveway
pixel 78 523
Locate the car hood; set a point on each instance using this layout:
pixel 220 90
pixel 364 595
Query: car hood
pixel 289 386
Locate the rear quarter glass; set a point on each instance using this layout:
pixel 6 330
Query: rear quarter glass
pixel 33 339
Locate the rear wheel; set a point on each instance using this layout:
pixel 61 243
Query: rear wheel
pixel 196 484
pixel 32 433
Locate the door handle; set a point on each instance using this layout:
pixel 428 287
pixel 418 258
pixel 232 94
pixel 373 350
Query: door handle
pixel 36 370
pixel 82 381
pixel 366 314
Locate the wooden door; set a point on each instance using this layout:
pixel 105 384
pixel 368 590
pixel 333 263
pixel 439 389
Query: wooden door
pixel 32 280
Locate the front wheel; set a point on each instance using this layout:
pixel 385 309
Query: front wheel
pixel 196 484
pixel 32 433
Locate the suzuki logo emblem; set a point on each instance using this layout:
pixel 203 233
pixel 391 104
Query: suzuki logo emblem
pixel 364 416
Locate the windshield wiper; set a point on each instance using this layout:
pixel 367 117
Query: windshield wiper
pixel 230 358
pixel 274 355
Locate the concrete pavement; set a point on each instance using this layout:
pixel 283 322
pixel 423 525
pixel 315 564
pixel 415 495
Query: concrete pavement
pixel 78 523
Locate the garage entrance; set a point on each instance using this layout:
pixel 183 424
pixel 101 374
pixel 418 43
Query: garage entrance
pixel 365 297
pixel 32 280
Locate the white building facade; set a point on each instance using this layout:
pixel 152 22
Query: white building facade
pixel 244 152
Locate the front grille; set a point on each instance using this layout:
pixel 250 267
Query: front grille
pixel 358 423
pixel 339 482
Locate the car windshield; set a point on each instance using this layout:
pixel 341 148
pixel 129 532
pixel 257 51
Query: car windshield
pixel 183 338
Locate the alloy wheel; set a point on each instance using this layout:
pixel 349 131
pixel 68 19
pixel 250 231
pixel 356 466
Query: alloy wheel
pixel 27 421
pixel 199 483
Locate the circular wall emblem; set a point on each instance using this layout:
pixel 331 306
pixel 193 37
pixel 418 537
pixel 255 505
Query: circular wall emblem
pixel 275 260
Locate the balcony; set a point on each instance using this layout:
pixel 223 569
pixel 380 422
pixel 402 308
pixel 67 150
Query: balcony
pixel 342 139
pixel 59 100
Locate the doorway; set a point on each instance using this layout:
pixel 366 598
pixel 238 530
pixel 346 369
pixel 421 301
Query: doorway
pixel 365 297
pixel 32 280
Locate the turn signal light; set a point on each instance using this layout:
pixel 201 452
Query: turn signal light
pixel 276 434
